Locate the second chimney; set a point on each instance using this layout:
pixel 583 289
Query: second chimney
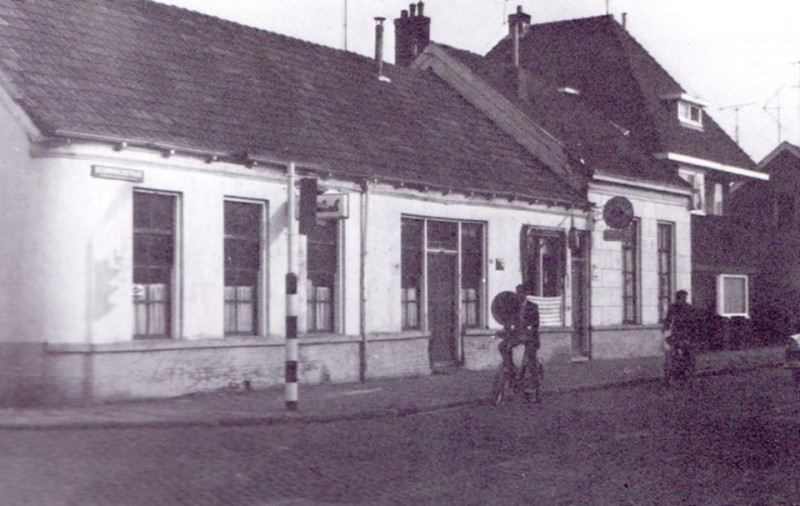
pixel 518 25
pixel 412 32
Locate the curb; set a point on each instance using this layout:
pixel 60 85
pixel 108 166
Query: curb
pixel 287 418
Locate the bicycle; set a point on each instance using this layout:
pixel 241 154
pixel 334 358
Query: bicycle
pixel 527 381
pixel 679 363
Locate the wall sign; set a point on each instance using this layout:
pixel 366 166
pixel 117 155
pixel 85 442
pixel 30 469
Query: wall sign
pixel 333 206
pixel 131 175
pixel 618 212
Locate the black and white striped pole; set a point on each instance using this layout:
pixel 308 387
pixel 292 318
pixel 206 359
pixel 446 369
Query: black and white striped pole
pixel 291 299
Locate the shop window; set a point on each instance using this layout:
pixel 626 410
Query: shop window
pixel 471 274
pixel 323 269
pixel 630 274
pixel 154 216
pixel 420 236
pixel 666 275
pixel 412 244
pixel 243 232
pixel 732 295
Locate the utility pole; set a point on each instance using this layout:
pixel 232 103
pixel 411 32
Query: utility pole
pixel 736 108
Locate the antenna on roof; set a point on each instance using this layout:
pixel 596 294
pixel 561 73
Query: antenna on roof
pixel 767 110
pixel 736 108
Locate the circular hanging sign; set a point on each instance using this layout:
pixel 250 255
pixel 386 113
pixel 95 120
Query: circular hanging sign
pixel 618 212
pixel 505 307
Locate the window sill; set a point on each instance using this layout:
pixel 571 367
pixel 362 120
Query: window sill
pixel 140 345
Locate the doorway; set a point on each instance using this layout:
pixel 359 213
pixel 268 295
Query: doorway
pixel 442 309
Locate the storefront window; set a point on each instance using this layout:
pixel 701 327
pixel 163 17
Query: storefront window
pixel 153 263
pixel 242 266
pixel 411 238
pixel 323 262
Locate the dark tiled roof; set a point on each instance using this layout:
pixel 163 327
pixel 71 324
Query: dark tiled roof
pixel 618 76
pixel 145 71
pixel 585 131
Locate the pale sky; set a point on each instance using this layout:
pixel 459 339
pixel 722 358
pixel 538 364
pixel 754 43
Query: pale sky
pixel 728 52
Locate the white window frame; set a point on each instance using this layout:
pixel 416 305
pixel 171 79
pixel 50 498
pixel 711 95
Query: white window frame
pixel 262 316
pixel 721 294
pixel 697 180
pixel 338 308
pixel 175 330
pixel 685 113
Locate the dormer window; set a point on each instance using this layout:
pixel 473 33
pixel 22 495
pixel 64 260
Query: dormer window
pixel 689 108
pixel 690 114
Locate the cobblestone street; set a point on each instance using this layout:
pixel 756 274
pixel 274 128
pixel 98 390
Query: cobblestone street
pixel 726 440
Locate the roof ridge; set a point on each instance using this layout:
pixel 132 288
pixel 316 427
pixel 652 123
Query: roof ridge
pixel 242 26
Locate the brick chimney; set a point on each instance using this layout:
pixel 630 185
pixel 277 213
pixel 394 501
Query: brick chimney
pixel 412 32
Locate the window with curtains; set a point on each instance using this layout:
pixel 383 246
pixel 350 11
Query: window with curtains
pixel 323 269
pixel 154 217
pixel 471 274
pixel 544 256
pixel 544 264
pixel 243 232
pixel 630 274
pixel 666 276
pixel 411 237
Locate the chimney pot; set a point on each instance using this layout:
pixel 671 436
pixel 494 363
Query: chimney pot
pixel 413 9
pixel 420 8
pixel 379 44
pixel 404 14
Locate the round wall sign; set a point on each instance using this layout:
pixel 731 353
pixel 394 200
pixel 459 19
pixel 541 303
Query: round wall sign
pixel 618 212
pixel 505 307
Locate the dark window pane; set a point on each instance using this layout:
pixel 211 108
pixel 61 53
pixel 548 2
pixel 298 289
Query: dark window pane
pixel 242 219
pixel 442 235
pixel 242 254
pixel 153 211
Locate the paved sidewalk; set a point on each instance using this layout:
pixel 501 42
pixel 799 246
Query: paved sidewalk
pixel 374 398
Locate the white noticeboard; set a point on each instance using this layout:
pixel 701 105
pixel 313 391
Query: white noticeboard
pixel 332 206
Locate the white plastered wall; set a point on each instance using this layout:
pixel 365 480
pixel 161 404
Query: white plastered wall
pixel 15 190
pixel 79 268
pixel 503 222
pixel 650 207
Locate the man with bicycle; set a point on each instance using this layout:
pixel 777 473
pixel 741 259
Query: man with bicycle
pixel 523 331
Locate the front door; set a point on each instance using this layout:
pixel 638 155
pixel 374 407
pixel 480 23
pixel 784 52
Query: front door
pixel 442 309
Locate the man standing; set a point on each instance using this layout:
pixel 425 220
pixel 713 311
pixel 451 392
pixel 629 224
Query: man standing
pixel 680 320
